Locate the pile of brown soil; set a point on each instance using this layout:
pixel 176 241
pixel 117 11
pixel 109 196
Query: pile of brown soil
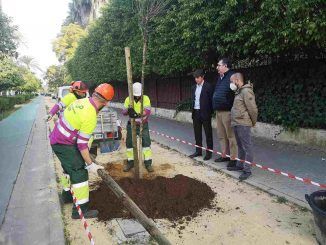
pixel 170 198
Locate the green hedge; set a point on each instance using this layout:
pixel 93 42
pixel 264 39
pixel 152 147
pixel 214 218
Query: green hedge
pixel 8 103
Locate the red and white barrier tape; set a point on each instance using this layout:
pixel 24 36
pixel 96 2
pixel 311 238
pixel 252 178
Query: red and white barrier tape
pixel 81 215
pixel 275 171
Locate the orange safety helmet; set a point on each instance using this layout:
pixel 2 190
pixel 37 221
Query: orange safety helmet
pixel 79 86
pixel 105 90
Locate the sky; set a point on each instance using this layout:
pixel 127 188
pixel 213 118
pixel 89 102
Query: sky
pixel 39 22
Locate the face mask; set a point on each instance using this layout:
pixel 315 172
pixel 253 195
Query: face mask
pixel 233 87
pixel 79 96
pixel 101 107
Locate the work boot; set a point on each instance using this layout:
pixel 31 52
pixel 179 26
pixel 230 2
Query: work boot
pixel 244 175
pixel 149 168
pixel 208 156
pixel 235 168
pixel 66 197
pixel 222 159
pixel 196 154
pixel 89 214
pixel 127 167
pixel 232 163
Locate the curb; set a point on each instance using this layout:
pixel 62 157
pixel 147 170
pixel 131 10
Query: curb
pixel 59 236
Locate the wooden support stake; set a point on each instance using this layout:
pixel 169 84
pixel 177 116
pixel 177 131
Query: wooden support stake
pixel 131 104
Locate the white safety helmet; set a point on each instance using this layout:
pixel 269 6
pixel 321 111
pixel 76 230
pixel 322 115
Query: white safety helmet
pixel 136 87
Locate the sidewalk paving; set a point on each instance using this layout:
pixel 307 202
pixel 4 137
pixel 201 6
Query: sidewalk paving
pixel 299 160
pixel 33 215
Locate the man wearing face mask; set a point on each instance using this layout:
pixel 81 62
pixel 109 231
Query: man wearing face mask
pixel 78 91
pixel 243 116
pixel 135 113
pixel 223 98
pixel 69 141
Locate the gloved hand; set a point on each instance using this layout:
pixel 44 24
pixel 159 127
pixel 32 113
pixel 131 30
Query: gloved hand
pixel 93 167
pixel 48 118
pixel 132 113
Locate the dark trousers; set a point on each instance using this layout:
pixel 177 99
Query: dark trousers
pixel 199 123
pixel 245 147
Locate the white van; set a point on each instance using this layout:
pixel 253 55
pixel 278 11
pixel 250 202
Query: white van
pixel 62 92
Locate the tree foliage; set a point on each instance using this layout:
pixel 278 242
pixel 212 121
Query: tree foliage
pixel 29 62
pixel 196 33
pixel 17 77
pixel 31 82
pixel 100 56
pixel 8 36
pixel 67 41
pixel 79 11
pixel 10 74
pixel 56 76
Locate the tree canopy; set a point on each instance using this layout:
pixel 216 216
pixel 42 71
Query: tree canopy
pixel 67 41
pixel 196 33
pixel 10 74
pixel 8 36
pixel 17 77
pixel 56 76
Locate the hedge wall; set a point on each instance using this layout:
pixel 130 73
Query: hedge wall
pixel 8 103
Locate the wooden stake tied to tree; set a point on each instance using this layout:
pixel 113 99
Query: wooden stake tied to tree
pixel 131 105
pixel 147 10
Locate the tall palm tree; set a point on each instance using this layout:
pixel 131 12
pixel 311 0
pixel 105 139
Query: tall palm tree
pixel 29 62
pixel 82 11
pixel 79 11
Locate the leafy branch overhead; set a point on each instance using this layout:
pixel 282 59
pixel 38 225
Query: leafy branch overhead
pixel 195 33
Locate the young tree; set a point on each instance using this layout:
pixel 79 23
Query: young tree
pixel 147 10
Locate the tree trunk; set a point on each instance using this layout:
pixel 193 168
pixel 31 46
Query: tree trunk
pixel 131 105
pixel 143 72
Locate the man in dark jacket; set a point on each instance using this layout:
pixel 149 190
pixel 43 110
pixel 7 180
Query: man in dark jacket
pixel 222 103
pixel 202 111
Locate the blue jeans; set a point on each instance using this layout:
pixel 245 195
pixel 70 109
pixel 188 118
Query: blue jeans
pixel 245 148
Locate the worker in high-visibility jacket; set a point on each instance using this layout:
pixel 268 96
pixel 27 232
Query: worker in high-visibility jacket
pixel 78 90
pixel 135 113
pixel 69 141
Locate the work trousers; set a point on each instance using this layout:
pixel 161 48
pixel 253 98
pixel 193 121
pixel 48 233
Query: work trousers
pixel 146 143
pixel 226 134
pixel 75 175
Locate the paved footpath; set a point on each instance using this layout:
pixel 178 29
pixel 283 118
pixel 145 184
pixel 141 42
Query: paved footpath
pixel 301 161
pixel 33 214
